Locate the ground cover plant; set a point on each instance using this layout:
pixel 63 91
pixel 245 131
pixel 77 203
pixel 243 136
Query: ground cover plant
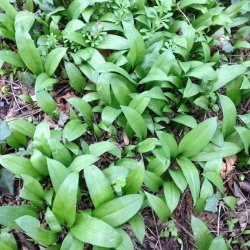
pixel 124 124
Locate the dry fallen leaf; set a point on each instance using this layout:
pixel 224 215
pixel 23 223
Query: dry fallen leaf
pixel 228 166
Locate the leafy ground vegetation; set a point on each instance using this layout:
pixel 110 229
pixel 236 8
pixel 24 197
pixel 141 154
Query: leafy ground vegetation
pixel 125 124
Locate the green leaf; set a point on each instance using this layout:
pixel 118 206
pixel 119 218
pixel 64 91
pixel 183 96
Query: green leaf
pixel 203 238
pixel 229 115
pixel 146 145
pixel 159 206
pixel 84 108
pixel 23 127
pixel 199 137
pixel 57 172
pixel 102 147
pixel 83 161
pixel 39 162
pixel 24 20
pixel 216 152
pixel 231 201
pixel 28 51
pixel 136 44
pixel 45 102
pixel 94 231
pixel 192 176
pixel 152 181
pixel 98 186
pixel 31 227
pixel 8 214
pixel 218 243
pixel 11 58
pixel 74 129
pixel 186 120
pixel 66 198
pixel 71 243
pixel 120 210
pixel 32 190
pixel 7 181
pixel 4 131
pixel 135 121
pixel 76 7
pixel 8 8
pixel 179 179
pixel 172 195
pixel 126 243
pixel 76 79
pixel 134 180
pixel 138 226
pixel 113 42
pixel 18 165
pixel 191 89
pixel 168 143
pixel 228 73
pixel 216 179
pixel 109 114
pixel 7 241
pixel 53 59
pixel 52 221
pixel 244 134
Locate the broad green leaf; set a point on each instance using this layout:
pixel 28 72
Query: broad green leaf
pixel 146 145
pixel 7 241
pixel 179 179
pixel 109 114
pixel 76 7
pixel 244 134
pixel 57 172
pixel 191 89
pixel 172 195
pixel 192 176
pixel 8 8
pixel 136 44
pixel 53 59
pixel 138 226
pixel 76 79
pixel 60 152
pixel 113 42
pixel 11 58
pixel 32 190
pixel 82 161
pixel 18 165
pixel 229 115
pixel 152 181
pixel 135 121
pixel 28 51
pixel 52 221
pixel 98 186
pixel 215 152
pixel 102 147
pixel 218 243
pixel 126 243
pixel 186 120
pixel 203 238
pixel 216 179
pixel 134 180
pixel 230 201
pixel 23 127
pixel 31 227
pixel 226 74
pixel 8 214
pixel 207 189
pixel 158 166
pixel 4 131
pixel 84 108
pixel 199 137
pixel 46 102
pixel 94 231
pixel 168 143
pixel 24 20
pixel 74 129
pixel 118 211
pixel 66 198
pixel 71 243
pixel 39 162
pixel 159 206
